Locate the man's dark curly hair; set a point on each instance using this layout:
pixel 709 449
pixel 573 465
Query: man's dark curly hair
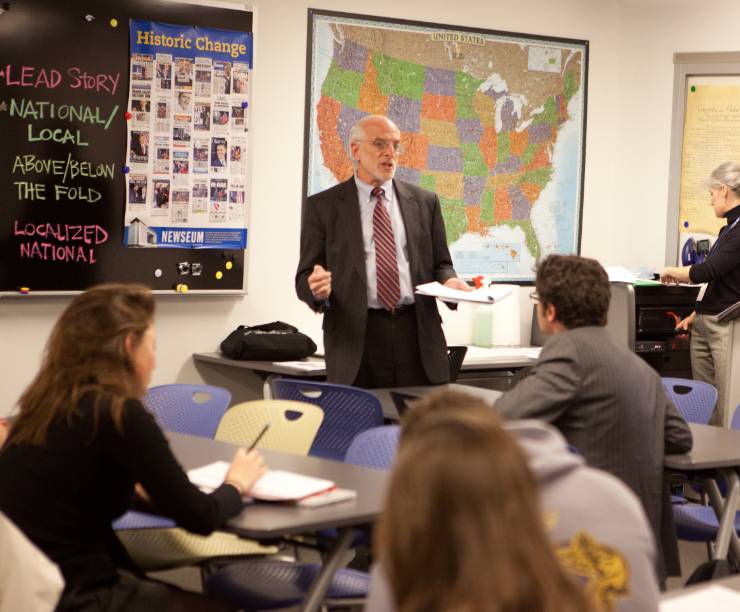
pixel 578 288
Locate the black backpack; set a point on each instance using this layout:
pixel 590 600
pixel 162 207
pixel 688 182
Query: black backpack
pixel 276 341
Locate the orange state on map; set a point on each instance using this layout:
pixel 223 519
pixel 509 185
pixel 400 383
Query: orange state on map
pixel 438 107
pixel 371 100
pixel 488 144
pixel 416 149
pixel 332 148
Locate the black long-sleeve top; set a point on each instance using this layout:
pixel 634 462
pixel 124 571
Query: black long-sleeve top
pixel 63 495
pixel 721 269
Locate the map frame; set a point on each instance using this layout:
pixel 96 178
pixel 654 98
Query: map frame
pixel 312 134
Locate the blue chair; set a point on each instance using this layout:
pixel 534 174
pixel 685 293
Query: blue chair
pixel 697 522
pixel 375 448
pixel 347 412
pixel 188 409
pixel 694 399
pixel 269 585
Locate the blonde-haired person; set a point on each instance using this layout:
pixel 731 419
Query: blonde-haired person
pixel 721 273
pixel 463 528
pixel 81 441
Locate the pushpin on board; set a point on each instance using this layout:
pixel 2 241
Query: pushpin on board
pixel 693 88
pixel 114 23
pixel 245 104
pixel 219 275
pixel 126 169
pixel 158 273
pixel 478 281
pixel 127 115
pixel 685 223
pixel 228 265
pixel 181 288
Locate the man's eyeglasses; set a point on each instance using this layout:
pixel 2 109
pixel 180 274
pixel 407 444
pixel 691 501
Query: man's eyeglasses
pixel 534 297
pixel 381 145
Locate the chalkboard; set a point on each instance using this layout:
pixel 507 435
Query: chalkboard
pixel 74 54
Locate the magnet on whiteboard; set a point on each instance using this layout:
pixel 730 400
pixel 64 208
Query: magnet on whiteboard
pixel 158 273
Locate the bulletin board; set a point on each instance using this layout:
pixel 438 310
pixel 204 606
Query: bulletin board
pixel 64 96
pixel 705 133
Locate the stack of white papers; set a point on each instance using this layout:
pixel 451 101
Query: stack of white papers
pixel 484 295
pixel 275 485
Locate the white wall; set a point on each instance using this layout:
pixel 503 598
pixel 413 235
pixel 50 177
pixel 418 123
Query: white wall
pixel 629 103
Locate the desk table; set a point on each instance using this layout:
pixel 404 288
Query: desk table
pixel 478 360
pixel 269 521
pixel 394 399
pixel 716 451
pixel 731 582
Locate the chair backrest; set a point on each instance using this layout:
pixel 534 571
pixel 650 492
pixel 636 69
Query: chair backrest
pixel 188 409
pixel 735 423
pixel 347 412
pixel 293 425
pixel 455 357
pixel 375 448
pixel 694 399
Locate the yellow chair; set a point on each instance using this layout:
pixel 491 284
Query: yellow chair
pixel 293 425
pixel 161 549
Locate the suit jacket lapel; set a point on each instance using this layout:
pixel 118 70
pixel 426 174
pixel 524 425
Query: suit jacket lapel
pixel 410 213
pixel 350 223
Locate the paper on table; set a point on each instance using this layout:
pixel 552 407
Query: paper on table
pixel 209 477
pixel 477 354
pixel 279 485
pixel 484 295
pixel 714 598
pixel 275 485
pixel 307 366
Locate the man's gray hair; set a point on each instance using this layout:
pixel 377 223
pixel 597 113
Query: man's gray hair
pixel 357 132
pixel 727 174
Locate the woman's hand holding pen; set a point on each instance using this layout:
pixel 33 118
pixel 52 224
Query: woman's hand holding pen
pixel 246 468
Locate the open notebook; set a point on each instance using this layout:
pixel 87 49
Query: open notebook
pixel 275 485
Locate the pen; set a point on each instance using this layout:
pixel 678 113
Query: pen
pixel 259 436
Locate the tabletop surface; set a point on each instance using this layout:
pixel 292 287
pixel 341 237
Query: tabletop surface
pixel 496 358
pixel 263 520
pixel 714 447
pixel 731 582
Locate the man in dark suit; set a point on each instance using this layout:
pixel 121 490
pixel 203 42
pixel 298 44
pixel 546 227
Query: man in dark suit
pixel 608 403
pixel 365 244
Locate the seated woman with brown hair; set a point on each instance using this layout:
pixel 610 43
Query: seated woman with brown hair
pixel 81 441
pixel 462 529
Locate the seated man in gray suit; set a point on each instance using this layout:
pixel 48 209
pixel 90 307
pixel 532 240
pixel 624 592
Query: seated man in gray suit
pixel 607 402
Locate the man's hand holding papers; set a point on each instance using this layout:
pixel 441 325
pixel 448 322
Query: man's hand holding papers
pixel 484 295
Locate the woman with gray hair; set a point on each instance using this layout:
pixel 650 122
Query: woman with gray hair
pixel 720 275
